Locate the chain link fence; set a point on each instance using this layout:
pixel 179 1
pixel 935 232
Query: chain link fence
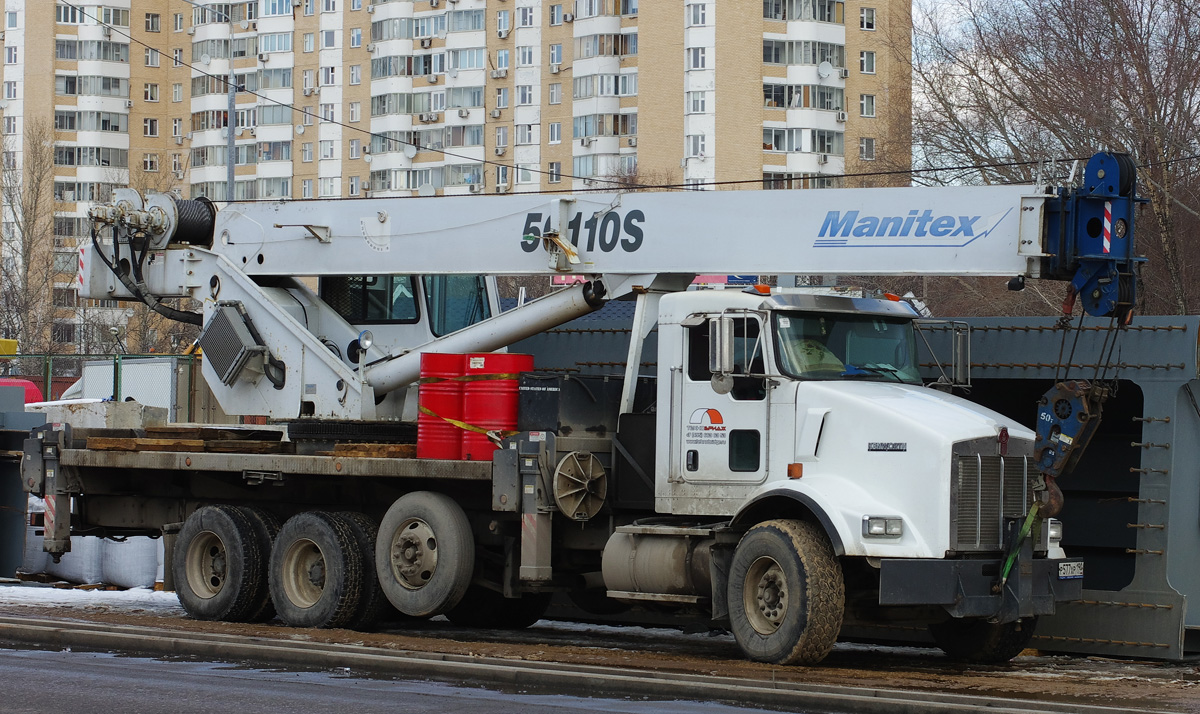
pixel 167 381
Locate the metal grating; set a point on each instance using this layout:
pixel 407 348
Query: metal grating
pixel 227 344
pixel 985 490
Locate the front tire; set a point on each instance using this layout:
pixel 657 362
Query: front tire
pixel 217 565
pixel 425 554
pixel 786 593
pixel 981 642
pixel 316 571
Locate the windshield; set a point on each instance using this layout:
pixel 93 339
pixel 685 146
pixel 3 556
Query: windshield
pixel 845 346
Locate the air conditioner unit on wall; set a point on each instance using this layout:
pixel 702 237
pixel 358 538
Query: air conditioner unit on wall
pixel 475 187
pixel 426 42
pixel 500 150
pixel 191 30
pixel 370 9
pixel 568 17
pixel 631 141
pixel 499 73
pixel 431 78
pixel 843 73
pixel 555 68
pixel 823 158
pixel 464 113
pixel 841 116
pixel 495 113
pixel 502 34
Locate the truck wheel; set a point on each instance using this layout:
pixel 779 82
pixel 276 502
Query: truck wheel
pixel 216 563
pixel 425 554
pixel 372 602
pixel 266 527
pixel 316 571
pixel 982 642
pixel 786 593
pixel 482 607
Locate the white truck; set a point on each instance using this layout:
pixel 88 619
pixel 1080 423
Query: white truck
pixel 779 467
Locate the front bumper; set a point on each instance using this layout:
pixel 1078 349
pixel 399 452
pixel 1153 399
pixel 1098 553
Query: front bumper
pixel 964 587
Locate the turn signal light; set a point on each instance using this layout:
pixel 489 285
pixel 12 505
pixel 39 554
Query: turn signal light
pixel 795 470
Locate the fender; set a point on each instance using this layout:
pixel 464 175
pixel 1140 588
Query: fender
pixel 767 505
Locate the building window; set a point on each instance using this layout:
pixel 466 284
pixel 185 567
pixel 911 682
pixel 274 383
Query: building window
pixel 696 15
pixel 327 112
pixel 501 136
pixel 10 55
pixel 310 7
pixel 10 125
pixel 326 146
pixel 356 37
pixel 329 6
pixel 501 97
pixel 307 116
pixel 152 19
pixel 866 105
pixel 151 57
pixel 308 76
pixel 355 145
pixel 10 90
pixel 556 93
pixel 177 162
pixel 694 144
pixel 328 76
pixel 306 188
pixel 696 57
pixel 306 152
pixel 555 131
pixel 866 18
pixel 328 39
pixel 525 17
pixel 556 54
pixel 866 149
pixel 309 42
pixel 177 127
pixel 10 19
pixel 526 134
pixel 696 102
pixel 526 173
pixel 356 74
pixel 177 56
pixel 355 111
pixel 556 15
pixel 150 162
pixel 353 185
pixel 150 93
pixel 63 333
pixel 149 127
pixel 501 175
pixel 525 56
pixel 502 22
pixel 554 171
pixel 866 62
pixel 177 22
pixel 328 186
pixel 524 95
pixel 355 4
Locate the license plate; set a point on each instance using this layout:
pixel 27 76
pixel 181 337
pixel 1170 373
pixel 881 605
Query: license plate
pixel 1070 571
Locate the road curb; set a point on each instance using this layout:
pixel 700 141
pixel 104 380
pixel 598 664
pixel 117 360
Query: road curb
pixel 580 680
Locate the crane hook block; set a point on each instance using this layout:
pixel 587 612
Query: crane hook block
pixel 1068 416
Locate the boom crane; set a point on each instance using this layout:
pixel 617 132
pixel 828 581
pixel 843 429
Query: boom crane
pixel 782 471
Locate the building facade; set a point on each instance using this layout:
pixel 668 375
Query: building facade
pixel 347 98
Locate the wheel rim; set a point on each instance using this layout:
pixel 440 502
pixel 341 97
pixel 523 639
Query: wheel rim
pixel 207 565
pixel 303 573
pixel 414 554
pixel 765 595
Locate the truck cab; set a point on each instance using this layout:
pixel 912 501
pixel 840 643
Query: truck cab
pixel 809 411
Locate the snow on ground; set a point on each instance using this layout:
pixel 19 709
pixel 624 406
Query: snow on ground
pixel 137 600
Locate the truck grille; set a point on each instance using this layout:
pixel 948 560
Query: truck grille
pixel 984 491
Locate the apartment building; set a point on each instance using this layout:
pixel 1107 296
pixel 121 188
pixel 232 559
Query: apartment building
pixel 346 98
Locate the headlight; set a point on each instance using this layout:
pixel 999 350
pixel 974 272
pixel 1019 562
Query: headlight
pixel 1054 531
pixel 883 526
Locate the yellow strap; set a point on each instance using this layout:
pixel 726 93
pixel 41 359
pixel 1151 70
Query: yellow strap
pixel 470 378
pixel 494 434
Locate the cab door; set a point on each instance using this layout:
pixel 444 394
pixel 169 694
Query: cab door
pixel 722 437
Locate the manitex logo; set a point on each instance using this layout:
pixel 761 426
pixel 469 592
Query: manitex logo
pixel 918 229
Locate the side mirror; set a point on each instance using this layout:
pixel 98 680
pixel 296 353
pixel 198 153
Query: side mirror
pixel 720 354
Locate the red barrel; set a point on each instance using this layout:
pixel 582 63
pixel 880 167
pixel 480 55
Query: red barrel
pixel 490 404
pixel 443 396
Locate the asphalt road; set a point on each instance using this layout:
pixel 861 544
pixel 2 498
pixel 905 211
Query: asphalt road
pixel 42 681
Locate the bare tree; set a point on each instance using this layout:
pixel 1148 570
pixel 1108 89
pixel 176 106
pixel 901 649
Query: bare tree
pixel 1001 85
pixel 27 299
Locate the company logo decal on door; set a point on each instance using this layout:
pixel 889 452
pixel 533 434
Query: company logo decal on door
pixel 706 426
